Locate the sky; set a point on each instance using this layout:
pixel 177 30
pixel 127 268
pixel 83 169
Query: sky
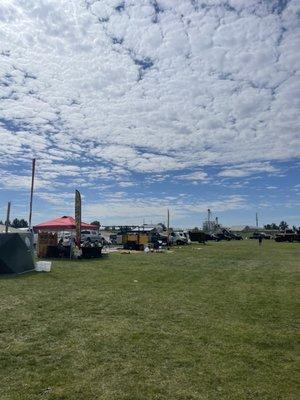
pixel 144 105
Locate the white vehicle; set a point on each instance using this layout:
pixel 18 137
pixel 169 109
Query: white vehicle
pixel 91 236
pixel 66 236
pixel 180 238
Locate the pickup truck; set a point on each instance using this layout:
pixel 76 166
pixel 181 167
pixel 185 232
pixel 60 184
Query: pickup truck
pixel 91 236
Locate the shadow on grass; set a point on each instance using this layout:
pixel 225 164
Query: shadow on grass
pixel 62 261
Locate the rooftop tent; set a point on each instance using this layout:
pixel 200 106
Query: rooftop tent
pixel 16 253
pixel 62 223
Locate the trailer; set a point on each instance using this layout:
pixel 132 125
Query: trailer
pixel 135 241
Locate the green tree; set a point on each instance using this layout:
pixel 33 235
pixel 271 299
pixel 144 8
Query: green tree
pixel 96 223
pixel 271 226
pixel 19 223
pixel 283 225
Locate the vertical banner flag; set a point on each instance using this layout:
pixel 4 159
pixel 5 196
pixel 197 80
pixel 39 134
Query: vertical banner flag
pixel 7 217
pixel 168 227
pixel 78 216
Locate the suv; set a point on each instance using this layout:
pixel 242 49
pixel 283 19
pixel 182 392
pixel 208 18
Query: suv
pixel 179 238
pixel 90 236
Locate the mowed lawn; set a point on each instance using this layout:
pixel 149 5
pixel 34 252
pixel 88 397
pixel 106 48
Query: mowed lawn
pixel 201 322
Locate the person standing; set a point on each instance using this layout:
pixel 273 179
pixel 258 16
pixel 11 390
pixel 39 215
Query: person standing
pixel 260 240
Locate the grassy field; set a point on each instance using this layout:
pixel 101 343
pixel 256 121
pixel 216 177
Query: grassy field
pixel 201 322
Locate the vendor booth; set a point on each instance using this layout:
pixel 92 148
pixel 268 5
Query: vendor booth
pixel 61 224
pixel 50 246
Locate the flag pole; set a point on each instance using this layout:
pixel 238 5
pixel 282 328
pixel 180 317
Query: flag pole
pixel 31 192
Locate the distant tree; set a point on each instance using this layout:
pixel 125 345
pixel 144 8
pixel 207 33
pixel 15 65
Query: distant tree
pixel 1 222
pixel 274 226
pixel 196 229
pixel 283 225
pixel 15 223
pixel 271 226
pixel 95 223
pixel 19 223
pixel 23 223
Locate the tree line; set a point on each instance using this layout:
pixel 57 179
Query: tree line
pixel 16 223
pixel 282 226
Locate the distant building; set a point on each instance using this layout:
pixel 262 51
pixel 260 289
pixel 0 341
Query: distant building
pixel 245 228
pixel 148 228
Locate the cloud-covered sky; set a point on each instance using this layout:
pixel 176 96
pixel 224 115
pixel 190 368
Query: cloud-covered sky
pixel 149 104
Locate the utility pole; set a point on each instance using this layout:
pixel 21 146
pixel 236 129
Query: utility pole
pixel 7 217
pixel 31 192
pixel 256 217
pixel 168 227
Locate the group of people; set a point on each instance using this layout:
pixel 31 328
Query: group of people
pixel 70 248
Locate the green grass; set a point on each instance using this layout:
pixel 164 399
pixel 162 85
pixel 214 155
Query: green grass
pixel 203 322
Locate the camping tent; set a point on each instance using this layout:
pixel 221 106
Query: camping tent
pixel 16 253
pixel 61 224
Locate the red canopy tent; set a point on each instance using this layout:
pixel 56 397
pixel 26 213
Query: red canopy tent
pixel 62 223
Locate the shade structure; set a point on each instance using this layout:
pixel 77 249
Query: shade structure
pixel 62 223
pixel 16 253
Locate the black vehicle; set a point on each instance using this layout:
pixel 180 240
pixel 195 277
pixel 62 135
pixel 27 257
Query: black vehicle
pixel 237 237
pixel 223 236
pixel 198 236
pixel 288 236
pixel 212 236
pixel 159 240
pixel 227 234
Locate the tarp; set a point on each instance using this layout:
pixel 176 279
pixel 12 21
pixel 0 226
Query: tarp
pixel 16 253
pixel 62 223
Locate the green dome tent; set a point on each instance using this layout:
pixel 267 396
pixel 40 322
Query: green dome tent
pixel 16 253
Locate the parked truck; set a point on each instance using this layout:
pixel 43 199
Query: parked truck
pixel 288 236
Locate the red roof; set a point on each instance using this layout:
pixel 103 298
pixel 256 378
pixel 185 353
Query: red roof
pixel 62 223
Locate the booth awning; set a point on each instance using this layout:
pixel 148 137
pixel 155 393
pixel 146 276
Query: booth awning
pixel 62 223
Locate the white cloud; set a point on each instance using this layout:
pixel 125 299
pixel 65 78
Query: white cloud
pixel 98 93
pixel 194 176
pixel 121 210
pixel 217 80
pixel 244 170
